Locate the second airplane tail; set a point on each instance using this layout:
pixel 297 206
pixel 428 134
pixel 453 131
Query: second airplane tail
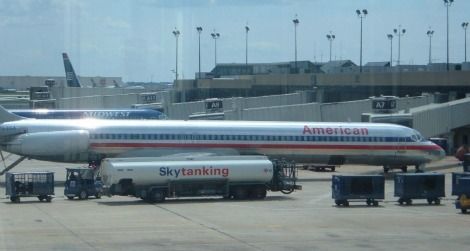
pixel 72 79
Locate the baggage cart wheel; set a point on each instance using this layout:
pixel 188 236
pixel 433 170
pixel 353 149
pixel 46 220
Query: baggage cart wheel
pixel 369 202
pixel 437 201
pixel 346 203
pixel 48 198
pixel 400 201
pixel 430 201
pixel 83 195
pixel 333 169
pixel 409 202
pixel 41 198
pixel 338 202
pixel 15 199
pixel 376 203
pixel 98 195
pixel 70 197
pixel 463 210
pixel 404 169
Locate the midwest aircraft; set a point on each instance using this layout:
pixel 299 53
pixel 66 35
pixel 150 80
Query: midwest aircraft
pixel 91 140
pixel 99 114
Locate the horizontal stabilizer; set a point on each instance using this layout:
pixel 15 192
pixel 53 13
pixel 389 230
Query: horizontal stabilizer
pixel 6 116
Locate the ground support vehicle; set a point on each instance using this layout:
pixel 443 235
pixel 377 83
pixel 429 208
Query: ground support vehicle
pixel 29 184
pixel 82 183
pixel 463 198
pixel 368 188
pixel 429 186
pixel 235 177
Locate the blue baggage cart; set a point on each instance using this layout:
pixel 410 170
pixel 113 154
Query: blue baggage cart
pixel 456 188
pixel 429 186
pixel 29 184
pixel 463 200
pixel 368 188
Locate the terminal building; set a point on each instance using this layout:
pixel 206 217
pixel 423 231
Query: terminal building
pixel 286 91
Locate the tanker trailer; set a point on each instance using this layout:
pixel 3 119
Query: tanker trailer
pixel 235 177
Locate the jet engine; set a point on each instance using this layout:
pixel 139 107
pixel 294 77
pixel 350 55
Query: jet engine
pixel 59 143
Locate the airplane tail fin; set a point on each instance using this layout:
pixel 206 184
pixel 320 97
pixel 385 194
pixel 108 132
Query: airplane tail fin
pixel 6 116
pixel 72 79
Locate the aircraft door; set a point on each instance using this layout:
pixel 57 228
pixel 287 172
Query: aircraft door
pixel 401 146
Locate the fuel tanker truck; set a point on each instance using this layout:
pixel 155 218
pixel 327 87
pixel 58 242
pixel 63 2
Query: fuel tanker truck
pixel 234 177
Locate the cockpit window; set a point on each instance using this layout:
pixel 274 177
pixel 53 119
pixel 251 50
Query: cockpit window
pixel 417 137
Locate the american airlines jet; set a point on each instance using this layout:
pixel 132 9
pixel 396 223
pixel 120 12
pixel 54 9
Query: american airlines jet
pixel 87 140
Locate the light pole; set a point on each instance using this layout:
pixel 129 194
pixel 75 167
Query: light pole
pixel 399 32
pixel 330 38
pixel 430 33
pixel 246 44
pixel 296 22
pixel 465 26
pixel 177 34
pixel 361 15
pixel 215 36
pixel 199 30
pixel 448 3
pixel 390 37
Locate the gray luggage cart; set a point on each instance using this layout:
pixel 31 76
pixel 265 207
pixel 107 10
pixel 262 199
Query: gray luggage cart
pixel 30 184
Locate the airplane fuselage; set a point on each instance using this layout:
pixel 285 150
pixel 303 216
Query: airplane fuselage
pixel 309 142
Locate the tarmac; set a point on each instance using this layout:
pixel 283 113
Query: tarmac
pixel 305 220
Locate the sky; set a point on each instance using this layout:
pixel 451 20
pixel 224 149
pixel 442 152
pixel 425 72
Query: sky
pixel 133 39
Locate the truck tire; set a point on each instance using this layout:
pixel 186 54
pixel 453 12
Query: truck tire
pixel 83 195
pixel 240 193
pixel 258 193
pixel 156 196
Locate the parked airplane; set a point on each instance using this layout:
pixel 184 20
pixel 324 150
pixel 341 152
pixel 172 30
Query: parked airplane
pixel 70 76
pixel 306 142
pixel 99 114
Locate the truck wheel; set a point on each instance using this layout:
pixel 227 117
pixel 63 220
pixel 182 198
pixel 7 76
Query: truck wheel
pixel 156 196
pixel 258 193
pixel 83 195
pixel 240 193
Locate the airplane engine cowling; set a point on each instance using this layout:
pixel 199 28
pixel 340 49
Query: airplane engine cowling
pixel 50 143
